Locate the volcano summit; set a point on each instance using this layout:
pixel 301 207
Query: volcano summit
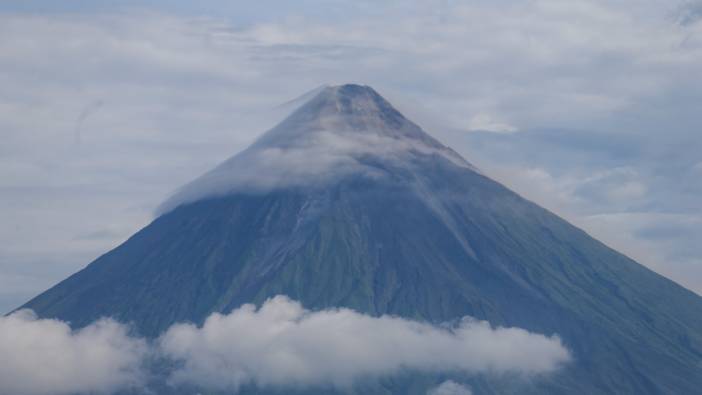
pixel 346 203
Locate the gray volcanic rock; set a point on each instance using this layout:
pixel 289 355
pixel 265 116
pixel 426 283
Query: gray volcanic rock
pixel 348 203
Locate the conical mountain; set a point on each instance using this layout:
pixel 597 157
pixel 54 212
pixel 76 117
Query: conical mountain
pixel 348 203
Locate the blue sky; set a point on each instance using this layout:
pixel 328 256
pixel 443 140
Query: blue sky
pixel 589 108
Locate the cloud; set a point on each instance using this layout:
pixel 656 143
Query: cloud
pixel 629 190
pixel 89 110
pixel 42 356
pixel 486 122
pixel 315 159
pixel 313 147
pixel 450 387
pixel 282 344
pixel 689 12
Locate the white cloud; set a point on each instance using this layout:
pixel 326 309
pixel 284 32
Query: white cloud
pixel 281 344
pixel 314 145
pixel 450 387
pixel 41 356
pixel 488 123
pixel 632 193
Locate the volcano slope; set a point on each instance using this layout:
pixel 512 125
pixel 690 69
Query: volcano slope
pixel 347 203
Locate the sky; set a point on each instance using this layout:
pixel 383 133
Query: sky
pixel 589 108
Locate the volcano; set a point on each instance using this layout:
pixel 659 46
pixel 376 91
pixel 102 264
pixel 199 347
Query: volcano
pixel 347 203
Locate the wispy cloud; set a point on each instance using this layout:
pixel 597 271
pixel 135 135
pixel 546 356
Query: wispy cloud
pixel 317 145
pixel 629 190
pixel 689 12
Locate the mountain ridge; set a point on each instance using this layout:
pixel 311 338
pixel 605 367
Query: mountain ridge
pixel 392 230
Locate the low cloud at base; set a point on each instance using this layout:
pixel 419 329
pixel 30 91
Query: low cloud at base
pixel 279 344
pixel 450 387
pixel 43 356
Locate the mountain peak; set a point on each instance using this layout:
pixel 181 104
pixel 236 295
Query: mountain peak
pixel 342 130
pixel 352 90
pixel 362 104
pixel 359 101
pixel 341 110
